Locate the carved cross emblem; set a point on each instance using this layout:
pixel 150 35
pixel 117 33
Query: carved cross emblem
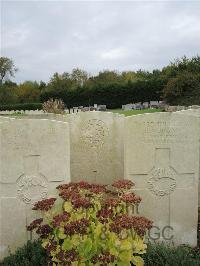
pixel 162 178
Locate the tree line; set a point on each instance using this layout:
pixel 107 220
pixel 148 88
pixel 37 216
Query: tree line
pixel 177 84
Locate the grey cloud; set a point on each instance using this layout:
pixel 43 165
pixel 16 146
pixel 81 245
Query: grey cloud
pixel 44 37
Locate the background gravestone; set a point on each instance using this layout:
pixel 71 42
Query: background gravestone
pixel 34 158
pixel 162 158
pixel 96 142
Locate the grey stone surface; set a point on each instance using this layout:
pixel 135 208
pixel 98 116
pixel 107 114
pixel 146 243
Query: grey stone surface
pixel 96 141
pixel 162 158
pixel 34 158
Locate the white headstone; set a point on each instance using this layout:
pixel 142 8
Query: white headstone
pixel 96 142
pixel 162 157
pixel 34 158
pixel 195 113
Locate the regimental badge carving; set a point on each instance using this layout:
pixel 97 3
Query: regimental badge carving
pixel 94 133
pixel 161 181
pixel 32 188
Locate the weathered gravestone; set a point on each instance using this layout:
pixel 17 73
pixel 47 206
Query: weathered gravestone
pixel 96 145
pixel 34 159
pixel 162 158
pixel 195 113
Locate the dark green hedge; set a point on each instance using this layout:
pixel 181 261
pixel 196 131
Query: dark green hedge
pixel 32 254
pixel 21 106
pixel 163 255
pixel 113 95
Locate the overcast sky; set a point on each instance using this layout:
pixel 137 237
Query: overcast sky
pixel 43 37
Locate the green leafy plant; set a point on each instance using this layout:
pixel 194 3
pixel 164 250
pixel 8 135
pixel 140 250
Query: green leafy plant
pixel 92 225
pixel 164 255
pixel 31 254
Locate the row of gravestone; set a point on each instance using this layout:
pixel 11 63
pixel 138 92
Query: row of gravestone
pixel 144 105
pixel 159 152
pixel 171 108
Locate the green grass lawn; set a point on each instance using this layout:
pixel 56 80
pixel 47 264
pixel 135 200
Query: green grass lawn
pixel 135 112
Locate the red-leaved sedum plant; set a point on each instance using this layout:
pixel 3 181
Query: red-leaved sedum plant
pixel 92 225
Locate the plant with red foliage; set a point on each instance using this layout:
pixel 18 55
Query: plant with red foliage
pixel 141 225
pixel 77 227
pixel 60 218
pixel 123 184
pixel 81 203
pixel 103 258
pixel 138 224
pixel 97 189
pixel 34 224
pixel 44 230
pixel 104 215
pixel 83 185
pixel 67 257
pixel 112 202
pixel 131 198
pixel 93 225
pixel 68 194
pixel 65 186
pixel 44 205
pixel 51 247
